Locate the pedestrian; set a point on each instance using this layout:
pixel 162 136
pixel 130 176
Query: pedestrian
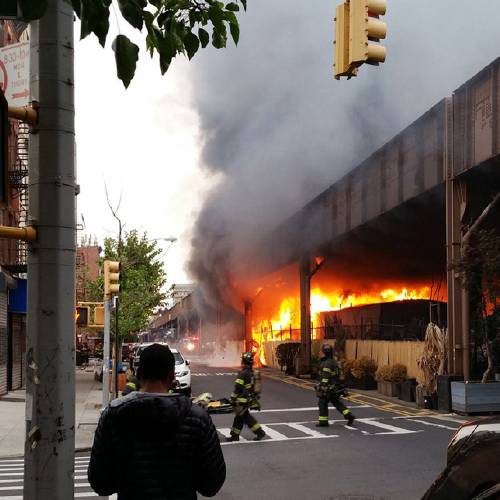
pixel 132 383
pixel 243 398
pixel 153 444
pixel 327 389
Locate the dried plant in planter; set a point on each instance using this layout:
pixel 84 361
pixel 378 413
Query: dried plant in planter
pixel 433 360
pixel 363 367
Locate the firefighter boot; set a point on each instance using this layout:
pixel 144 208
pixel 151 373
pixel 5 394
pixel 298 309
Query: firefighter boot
pixel 259 435
pixel 350 418
pixel 232 438
pixel 322 424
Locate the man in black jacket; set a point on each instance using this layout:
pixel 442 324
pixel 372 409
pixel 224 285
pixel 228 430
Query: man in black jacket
pixel 155 445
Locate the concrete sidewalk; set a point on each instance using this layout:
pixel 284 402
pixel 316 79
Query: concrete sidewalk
pixel 88 407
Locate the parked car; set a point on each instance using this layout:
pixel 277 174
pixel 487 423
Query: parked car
pixel 473 465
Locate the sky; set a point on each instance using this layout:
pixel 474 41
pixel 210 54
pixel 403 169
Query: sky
pixel 222 148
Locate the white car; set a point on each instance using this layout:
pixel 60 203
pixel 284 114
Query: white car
pixel 182 370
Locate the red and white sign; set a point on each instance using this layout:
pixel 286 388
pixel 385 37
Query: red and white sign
pixel 15 73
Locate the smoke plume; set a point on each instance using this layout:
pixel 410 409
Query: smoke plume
pixel 280 129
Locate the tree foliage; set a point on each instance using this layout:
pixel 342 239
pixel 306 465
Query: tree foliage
pixel 142 278
pixel 171 27
pixel 480 268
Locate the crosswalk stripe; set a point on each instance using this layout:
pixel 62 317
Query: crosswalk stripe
pixel 441 426
pixel 77 495
pixel 308 408
pixel 273 434
pixel 13 488
pixel 391 429
pixel 307 430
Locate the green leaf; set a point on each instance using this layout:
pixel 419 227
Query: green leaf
pixel 216 15
pixel 95 19
pixel 244 3
pixel 219 38
pixel 234 7
pixel 32 9
pixel 132 12
pixel 167 51
pixel 192 44
pixel 235 32
pixel 126 56
pixel 204 37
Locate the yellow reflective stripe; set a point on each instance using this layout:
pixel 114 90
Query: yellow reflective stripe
pixel 256 427
pixel 239 381
pixel 327 370
pixel 346 412
pixel 132 385
pixel 233 395
pixel 248 386
pixel 324 380
pixel 323 419
pixel 235 431
pixel 241 400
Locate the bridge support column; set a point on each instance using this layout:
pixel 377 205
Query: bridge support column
pixel 248 326
pixel 458 298
pixel 305 314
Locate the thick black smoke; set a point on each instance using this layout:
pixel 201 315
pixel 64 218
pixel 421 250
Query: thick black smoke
pixel 280 129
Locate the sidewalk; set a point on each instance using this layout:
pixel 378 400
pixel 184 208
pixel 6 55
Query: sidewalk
pixel 88 406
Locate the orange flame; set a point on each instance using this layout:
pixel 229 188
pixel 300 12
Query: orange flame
pixel 288 315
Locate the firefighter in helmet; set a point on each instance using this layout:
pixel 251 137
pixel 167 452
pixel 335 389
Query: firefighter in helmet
pixel 245 397
pixel 328 388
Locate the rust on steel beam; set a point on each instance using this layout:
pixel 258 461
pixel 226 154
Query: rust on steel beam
pixel 27 233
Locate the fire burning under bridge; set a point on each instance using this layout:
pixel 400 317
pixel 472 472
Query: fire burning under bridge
pixel 404 212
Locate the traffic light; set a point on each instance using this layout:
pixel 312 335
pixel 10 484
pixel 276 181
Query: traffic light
pixel 341 61
pixel 357 26
pixel 98 315
pixel 365 27
pixel 111 278
pixel 82 315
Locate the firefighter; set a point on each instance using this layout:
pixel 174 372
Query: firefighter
pixel 132 383
pixel 328 388
pixel 243 398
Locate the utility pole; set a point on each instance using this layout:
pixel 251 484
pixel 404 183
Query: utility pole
pixel 50 387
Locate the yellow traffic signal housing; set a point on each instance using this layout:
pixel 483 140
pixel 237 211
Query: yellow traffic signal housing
pixel 82 315
pixel 98 315
pixel 341 65
pixel 111 278
pixel 366 27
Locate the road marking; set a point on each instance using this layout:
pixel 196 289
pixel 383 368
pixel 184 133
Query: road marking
pixel 76 495
pixel 218 374
pixel 273 434
pixel 308 408
pixel 441 426
pixel 391 429
pixel 307 430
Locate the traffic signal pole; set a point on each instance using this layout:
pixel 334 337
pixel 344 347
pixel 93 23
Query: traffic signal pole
pixel 50 370
pixel 106 353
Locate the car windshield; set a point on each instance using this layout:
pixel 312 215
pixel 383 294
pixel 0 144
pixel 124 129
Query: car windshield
pixel 178 358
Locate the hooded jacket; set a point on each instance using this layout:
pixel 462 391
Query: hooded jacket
pixel 156 447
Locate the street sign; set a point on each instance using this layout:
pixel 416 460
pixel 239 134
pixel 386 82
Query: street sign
pixel 8 9
pixel 15 73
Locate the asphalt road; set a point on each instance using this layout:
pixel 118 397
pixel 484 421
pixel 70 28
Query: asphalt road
pixel 392 452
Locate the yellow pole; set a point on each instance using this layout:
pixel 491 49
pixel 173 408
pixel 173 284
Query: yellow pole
pixel 18 233
pixel 24 113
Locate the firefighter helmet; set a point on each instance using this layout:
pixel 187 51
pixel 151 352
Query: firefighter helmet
pixel 327 350
pixel 247 358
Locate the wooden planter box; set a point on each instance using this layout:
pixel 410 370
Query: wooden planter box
pixel 364 383
pixel 474 397
pixel 391 389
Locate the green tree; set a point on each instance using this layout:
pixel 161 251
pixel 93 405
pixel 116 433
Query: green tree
pixel 172 26
pixel 142 279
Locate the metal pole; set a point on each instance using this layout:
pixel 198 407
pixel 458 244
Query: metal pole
pixel 105 355
pixel 50 387
pixel 117 347
pixel 305 312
